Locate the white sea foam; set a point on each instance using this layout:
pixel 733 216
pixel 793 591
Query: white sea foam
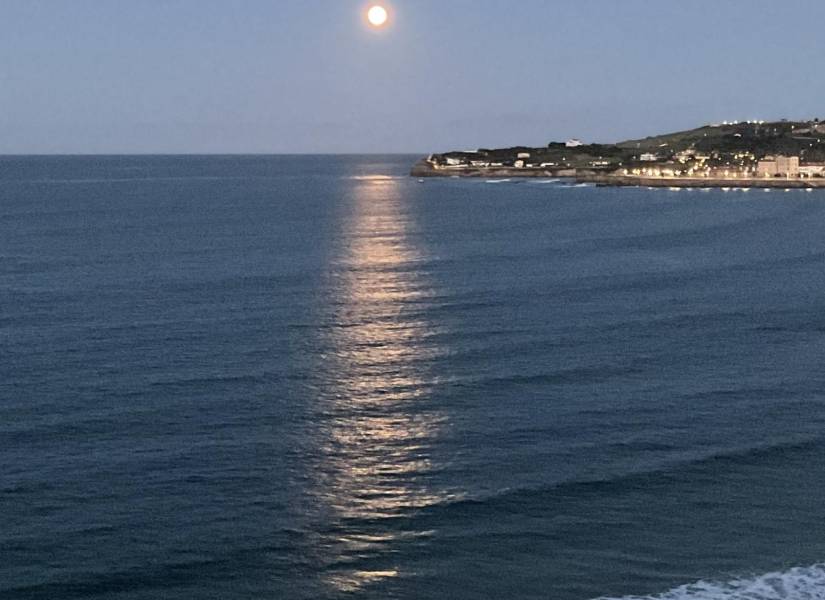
pixel 798 583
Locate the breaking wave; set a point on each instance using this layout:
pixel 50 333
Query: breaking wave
pixel 798 583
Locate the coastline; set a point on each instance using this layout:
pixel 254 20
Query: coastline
pixel 423 169
pixel 699 182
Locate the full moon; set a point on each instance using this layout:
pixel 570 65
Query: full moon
pixel 377 16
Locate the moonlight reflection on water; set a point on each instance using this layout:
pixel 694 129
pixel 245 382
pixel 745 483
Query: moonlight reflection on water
pixel 376 437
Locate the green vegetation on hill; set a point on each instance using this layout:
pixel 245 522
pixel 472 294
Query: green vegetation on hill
pixel 792 138
pixel 723 144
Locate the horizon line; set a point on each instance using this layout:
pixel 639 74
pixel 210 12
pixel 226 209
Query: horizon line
pixel 93 154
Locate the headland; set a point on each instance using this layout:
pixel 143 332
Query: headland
pixel 758 154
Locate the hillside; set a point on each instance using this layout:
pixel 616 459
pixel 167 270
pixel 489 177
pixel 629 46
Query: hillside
pixel 739 144
pixel 793 138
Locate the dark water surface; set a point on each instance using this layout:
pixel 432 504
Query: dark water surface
pixel 314 377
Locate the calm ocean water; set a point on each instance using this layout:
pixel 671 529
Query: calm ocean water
pixel 315 377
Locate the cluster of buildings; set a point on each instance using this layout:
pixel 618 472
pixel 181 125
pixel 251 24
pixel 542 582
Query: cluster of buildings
pixel 461 163
pixel 788 166
pixel 690 163
pixel 662 162
pixel 479 159
pixel 694 165
pixel 522 161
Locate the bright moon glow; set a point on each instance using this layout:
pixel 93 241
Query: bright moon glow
pixel 377 16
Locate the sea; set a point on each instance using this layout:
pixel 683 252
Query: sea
pixel 315 377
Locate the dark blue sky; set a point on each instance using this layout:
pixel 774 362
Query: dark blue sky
pixel 94 76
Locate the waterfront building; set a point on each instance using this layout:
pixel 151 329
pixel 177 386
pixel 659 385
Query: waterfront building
pixel 778 166
pixel 812 170
pixel 766 167
pixel 789 165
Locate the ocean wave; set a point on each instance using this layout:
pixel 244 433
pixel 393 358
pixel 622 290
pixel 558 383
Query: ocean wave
pixel 576 375
pixel 669 471
pixel 155 578
pixel 798 583
pixel 257 379
pixel 570 186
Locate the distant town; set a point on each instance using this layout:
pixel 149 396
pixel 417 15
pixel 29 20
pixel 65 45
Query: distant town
pixel 730 154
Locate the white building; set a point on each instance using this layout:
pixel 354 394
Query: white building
pixel 523 155
pixel 649 157
pixel 782 166
pixel 574 143
pixel 812 170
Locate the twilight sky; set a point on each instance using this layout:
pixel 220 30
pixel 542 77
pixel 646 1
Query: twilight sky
pixel 261 76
